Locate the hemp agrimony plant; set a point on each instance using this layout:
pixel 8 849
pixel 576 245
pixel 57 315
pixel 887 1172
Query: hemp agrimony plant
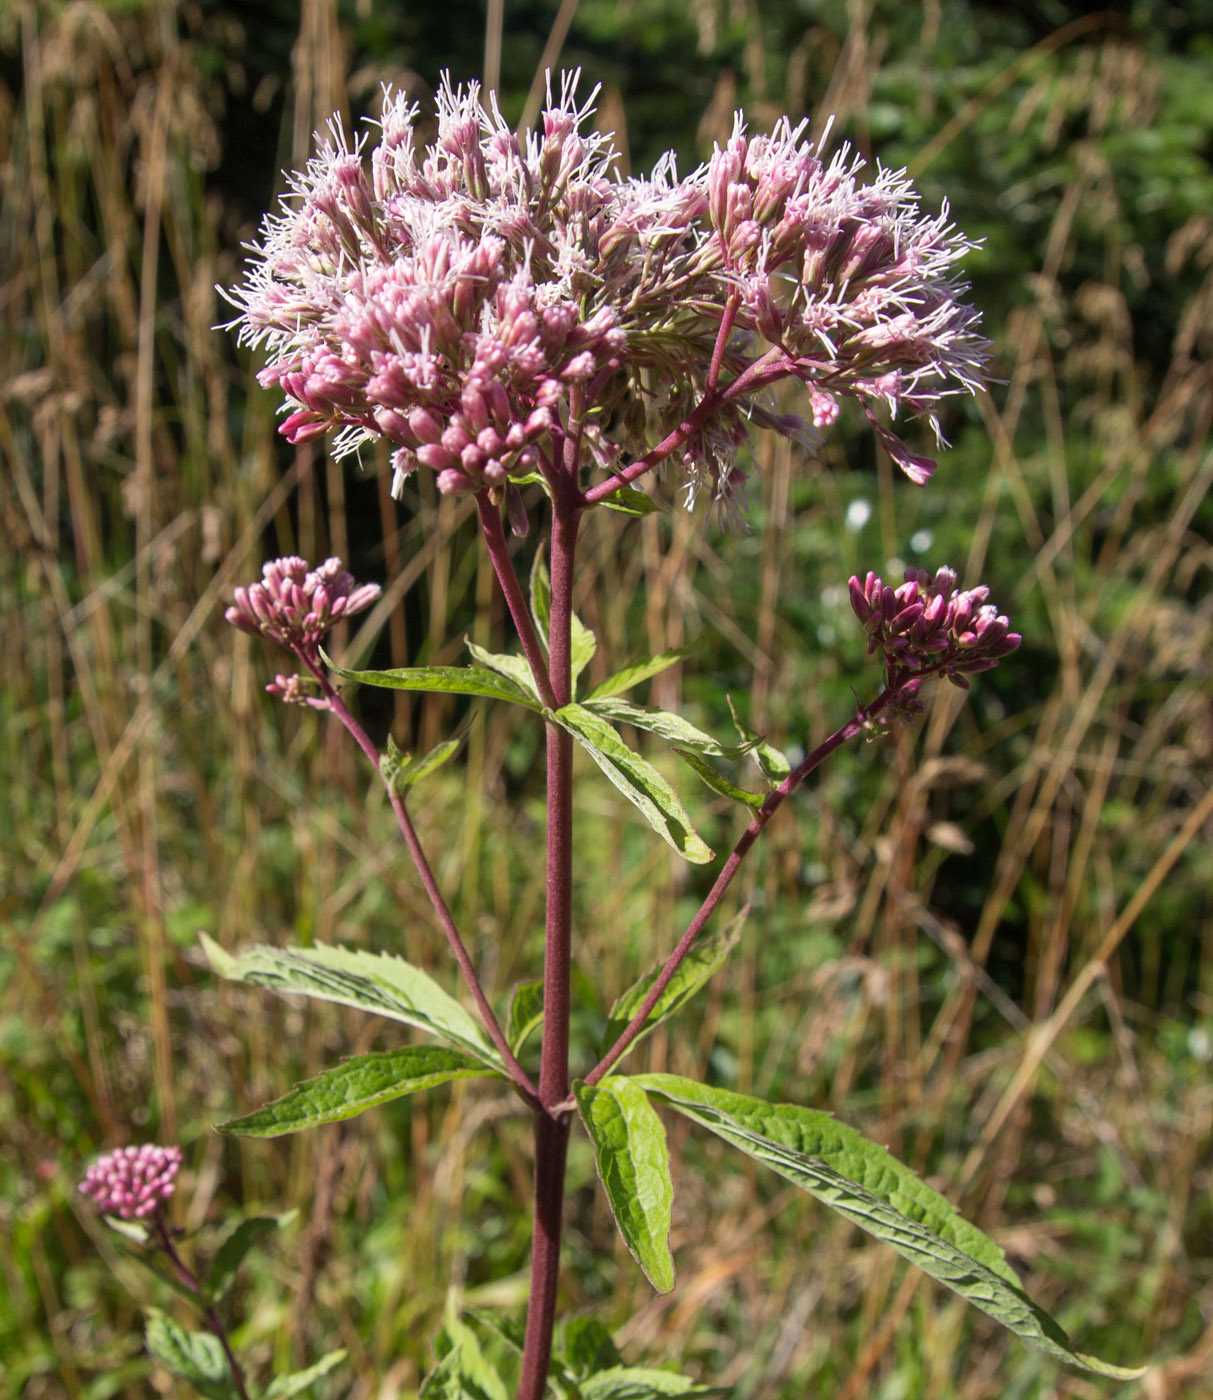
pixel 507 313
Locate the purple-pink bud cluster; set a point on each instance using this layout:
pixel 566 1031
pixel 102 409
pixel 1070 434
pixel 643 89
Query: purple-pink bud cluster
pixel 132 1182
pixel 453 299
pixel 295 605
pixel 926 626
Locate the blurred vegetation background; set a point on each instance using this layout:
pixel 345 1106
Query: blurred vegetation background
pixel 986 941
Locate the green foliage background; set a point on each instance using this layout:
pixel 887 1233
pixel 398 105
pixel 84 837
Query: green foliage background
pixel 1028 867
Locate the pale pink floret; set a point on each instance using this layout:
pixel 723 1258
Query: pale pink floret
pixel 132 1182
pixel 453 299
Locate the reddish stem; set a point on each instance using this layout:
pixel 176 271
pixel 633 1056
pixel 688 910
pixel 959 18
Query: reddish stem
pixel 338 708
pixel 863 717
pixel 552 1118
pixel 187 1277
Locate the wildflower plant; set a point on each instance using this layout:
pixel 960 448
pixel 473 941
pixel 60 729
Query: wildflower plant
pixel 506 312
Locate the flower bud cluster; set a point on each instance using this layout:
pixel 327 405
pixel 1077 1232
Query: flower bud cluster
pixel 452 299
pixel 132 1182
pixel 295 605
pixel 927 626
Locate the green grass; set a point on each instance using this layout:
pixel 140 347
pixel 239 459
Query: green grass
pixel 1031 859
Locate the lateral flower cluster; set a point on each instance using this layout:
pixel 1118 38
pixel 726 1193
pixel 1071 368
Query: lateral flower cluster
pixel 295 605
pixel 927 625
pixel 457 300
pixel 132 1182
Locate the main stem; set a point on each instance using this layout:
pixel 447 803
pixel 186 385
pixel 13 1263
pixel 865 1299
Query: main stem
pixel 551 1120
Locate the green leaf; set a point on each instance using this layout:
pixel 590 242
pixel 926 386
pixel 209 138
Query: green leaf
pixel 774 763
pixel 230 1254
pixel 297 1381
pixel 541 596
pixel 881 1195
pixel 526 1014
pixel 133 1230
pixel 640 1383
pixel 634 1166
pixel 354 1086
pixel 718 782
pixel 447 680
pixel 374 982
pixel 667 726
pixel 637 779
pixel 512 668
pixel 464 1373
pixel 630 501
pixel 194 1356
pixel 587 1346
pixel 582 646
pixel 638 671
pixel 707 955
pixel 400 771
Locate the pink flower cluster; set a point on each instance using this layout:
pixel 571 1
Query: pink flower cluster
pixel 926 626
pixel 460 300
pixel 295 605
pixel 132 1182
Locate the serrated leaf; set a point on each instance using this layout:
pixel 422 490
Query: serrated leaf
pixel 541 596
pixel 640 1383
pixel 401 772
pixel 707 955
pixel 512 668
pixel 872 1189
pixel 637 779
pixel 446 680
pixel 773 762
pixel 667 726
pixel 526 1014
pixel 284 1386
pixel 464 1372
pixel 637 671
pixel 630 501
pixel 133 1230
pixel 718 782
pixel 194 1356
pixel 588 1346
pixel 582 646
pixel 353 1086
pixel 634 1167
pixel 230 1254
pixel 375 982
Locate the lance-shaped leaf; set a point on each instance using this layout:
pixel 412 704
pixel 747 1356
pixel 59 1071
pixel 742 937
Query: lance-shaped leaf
pixel 298 1381
pixel 628 500
pixel 400 770
pixel 773 762
pixel 700 964
pixel 637 779
pixel 718 782
pixel 637 671
pixel 447 680
pixel 231 1252
pixel 667 726
pixel 582 642
pixel 881 1195
pixel 526 1014
pixel 541 596
pixel 372 982
pixel 355 1085
pixel 512 668
pixel 634 1166
pixel 195 1356
pixel 641 1383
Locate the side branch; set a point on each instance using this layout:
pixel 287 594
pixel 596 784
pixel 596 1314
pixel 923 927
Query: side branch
pixel 863 716
pixel 520 1077
pixel 507 577
pixel 773 365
